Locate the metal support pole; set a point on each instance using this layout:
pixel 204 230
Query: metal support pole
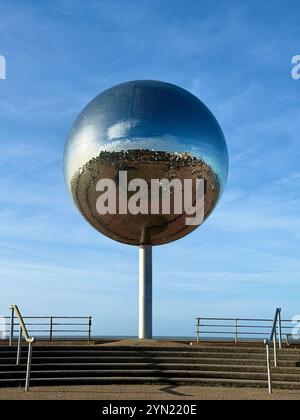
pixel 280 329
pixel 28 367
pixel 11 337
pixel 275 348
pixel 236 331
pixel 51 328
pixel 19 347
pixel 269 367
pixel 145 291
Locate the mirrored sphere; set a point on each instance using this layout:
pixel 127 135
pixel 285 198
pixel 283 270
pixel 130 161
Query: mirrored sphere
pixel 149 129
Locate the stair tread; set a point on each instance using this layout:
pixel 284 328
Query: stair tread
pixel 231 366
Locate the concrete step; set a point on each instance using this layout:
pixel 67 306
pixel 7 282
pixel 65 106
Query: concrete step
pixel 104 350
pixel 195 348
pixel 188 360
pixel 123 349
pixel 209 364
pixel 247 353
pixel 136 366
pixel 153 372
pixel 171 360
pixel 149 354
pixel 150 380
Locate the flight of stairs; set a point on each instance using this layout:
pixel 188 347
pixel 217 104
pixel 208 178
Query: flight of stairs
pixel 203 364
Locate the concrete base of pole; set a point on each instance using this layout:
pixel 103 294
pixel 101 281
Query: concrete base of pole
pixel 145 291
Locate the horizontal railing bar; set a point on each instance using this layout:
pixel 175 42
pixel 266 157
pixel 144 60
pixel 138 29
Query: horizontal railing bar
pixel 70 317
pixel 258 326
pixel 34 331
pixel 69 331
pixel 247 319
pixel 243 327
pixel 50 316
pixel 57 325
pixel 232 332
pixel 239 326
pixel 54 323
pixel 236 319
pixel 62 323
pixel 216 325
pixel 217 319
pixel 47 331
pixel 30 323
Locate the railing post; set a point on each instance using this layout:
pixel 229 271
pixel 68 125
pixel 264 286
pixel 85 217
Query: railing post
pixel 275 348
pixel 269 367
pixel 19 346
pixel 236 331
pixel 28 367
pixel 90 328
pixel 11 337
pixel 198 329
pixel 280 329
pixel 51 328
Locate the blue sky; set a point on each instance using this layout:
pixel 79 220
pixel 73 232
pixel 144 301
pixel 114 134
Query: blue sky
pixel 236 57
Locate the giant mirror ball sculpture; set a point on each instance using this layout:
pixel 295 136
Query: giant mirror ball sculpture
pixel 152 130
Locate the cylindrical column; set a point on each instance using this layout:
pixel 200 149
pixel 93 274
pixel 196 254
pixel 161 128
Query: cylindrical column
pixel 145 291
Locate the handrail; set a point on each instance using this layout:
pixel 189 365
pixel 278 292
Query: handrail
pixel 277 320
pixel 30 340
pixel 273 337
pixel 16 310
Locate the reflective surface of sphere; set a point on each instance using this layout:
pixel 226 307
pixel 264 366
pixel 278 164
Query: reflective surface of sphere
pixel 150 130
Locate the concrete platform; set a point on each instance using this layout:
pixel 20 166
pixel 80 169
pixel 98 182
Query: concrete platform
pixel 144 392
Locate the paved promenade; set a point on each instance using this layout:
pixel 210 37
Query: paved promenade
pixel 144 392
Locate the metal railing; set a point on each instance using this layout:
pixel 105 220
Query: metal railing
pixel 252 328
pixel 239 329
pixel 52 327
pixel 30 340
